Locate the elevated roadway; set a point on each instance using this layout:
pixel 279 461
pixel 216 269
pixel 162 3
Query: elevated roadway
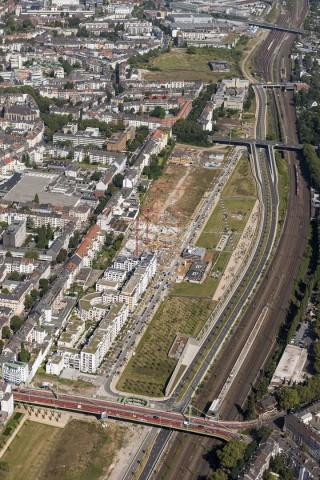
pixel 280 28
pixel 149 416
pixel 261 143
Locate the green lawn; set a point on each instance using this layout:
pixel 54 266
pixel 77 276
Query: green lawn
pixel 233 217
pixel 179 65
pixel 29 450
pixel 205 289
pixel 234 208
pixel 241 182
pixel 81 451
pixel 149 370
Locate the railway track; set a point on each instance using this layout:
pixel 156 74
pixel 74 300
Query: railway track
pixel 274 288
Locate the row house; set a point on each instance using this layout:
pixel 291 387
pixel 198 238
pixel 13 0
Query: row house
pixel 15 300
pixel 10 164
pixel 90 245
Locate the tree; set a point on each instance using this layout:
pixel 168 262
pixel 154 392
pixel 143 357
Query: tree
pixel 6 332
pixel 68 86
pixel 96 175
pixel 32 254
pixel 4 467
pixel 108 239
pixel 288 398
pixel 62 256
pixel 75 239
pixel 34 295
pixel 8 255
pixel 191 50
pixel 118 180
pixel 36 199
pixel 5 290
pixel 158 112
pixel 26 159
pixel 15 323
pixel 42 237
pixel 15 276
pixel 49 232
pixel 44 284
pixel 218 475
pixel 28 301
pixel 231 453
pixel 24 355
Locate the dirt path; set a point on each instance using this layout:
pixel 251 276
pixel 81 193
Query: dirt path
pixel 174 196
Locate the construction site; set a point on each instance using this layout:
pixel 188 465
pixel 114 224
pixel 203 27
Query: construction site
pixel 172 201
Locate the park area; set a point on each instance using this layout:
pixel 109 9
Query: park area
pixel 82 450
pixel 230 215
pixel 178 64
pixel 149 370
pixel 232 211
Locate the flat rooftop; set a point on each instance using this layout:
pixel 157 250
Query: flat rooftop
pixel 290 367
pixel 32 183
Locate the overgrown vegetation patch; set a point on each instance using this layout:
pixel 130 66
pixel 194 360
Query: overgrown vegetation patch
pixel 150 368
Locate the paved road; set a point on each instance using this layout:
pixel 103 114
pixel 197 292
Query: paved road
pixel 145 415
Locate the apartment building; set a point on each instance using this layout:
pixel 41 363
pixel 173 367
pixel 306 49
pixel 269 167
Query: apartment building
pixel 231 93
pixel 15 372
pixel 115 274
pixel 15 234
pixel 72 333
pixel 304 428
pixel 99 343
pixel 93 307
pixel 125 263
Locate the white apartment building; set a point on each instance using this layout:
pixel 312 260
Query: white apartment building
pixel 125 263
pixel 93 353
pixel 231 93
pixel 15 61
pixel 15 372
pixel 103 284
pixel 6 398
pixel 55 365
pixel 115 274
pixel 119 10
pixel 72 334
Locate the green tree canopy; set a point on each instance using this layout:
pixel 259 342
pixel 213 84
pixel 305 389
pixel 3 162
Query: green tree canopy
pixel 62 255
pixel 15 323
pixel 158 112
pixel 288 398
pixel 231 453
pixel 15 276
pixel 118 180
pixel 24 355
pixel 6 332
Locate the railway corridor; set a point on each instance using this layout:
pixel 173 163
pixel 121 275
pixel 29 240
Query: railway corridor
pixel 275 288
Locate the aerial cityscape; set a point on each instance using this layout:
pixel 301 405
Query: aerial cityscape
pixel 159 239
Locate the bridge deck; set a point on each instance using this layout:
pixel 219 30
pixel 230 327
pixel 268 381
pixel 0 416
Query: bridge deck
pixel 144 415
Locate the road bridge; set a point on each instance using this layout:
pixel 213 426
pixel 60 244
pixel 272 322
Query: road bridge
pixel 257 142
pixel 270 26
pixel 133 413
